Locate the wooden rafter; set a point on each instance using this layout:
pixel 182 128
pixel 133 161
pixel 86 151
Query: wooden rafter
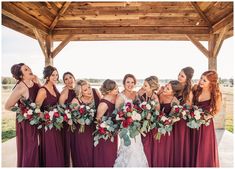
pixel 60 13
pixel 228 20
pixel 16 14
pixel 62 45
pixel 200 12
pixel 198 45
pixel 219 41
pixel 41 42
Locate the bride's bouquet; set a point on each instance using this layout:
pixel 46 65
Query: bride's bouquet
pixel 128 119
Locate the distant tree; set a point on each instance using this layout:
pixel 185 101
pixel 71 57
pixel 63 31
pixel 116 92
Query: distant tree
pixel 231 81
pixel 5 81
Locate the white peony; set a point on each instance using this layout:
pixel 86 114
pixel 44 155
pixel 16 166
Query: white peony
pixel 88 108
pixel 197 114
pixel 153 103
pixel 30 112
pixel 148 106
pixel 164 118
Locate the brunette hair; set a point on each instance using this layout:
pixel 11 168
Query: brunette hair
pixel 176 86
pixel 128 76
pixel 47 72
pixel 68 73
pixel 188 71
pixel 107 86
pixel 214 88
pixel 16 71
pixel 153 82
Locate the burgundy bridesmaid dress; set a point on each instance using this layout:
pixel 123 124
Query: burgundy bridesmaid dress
pixel 51 144
pixel 181 144
pixel 27 138
pixel 205 145
pixel 148 139
pixel 163 148
pixel 66 132
pixel 105 153
pixel 82 143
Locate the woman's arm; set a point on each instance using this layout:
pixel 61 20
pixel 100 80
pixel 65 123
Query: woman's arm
pixel 40 97
pixel 16 94
pixel 98 93
pixel 63 96
pixel 102 108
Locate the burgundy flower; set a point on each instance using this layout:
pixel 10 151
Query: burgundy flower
pixel 143 107
pixel 82 110
pixel 192 114
pixel 29 117
pixel 101 130
pixel 167 122
pixel 65 117
pixel 56 114
pixel 137 107
pixel 125 124
pixel 121 114
pixel 128 104
pixel 177 110
pixel 47 116
pixel 128 109
pixel 129 120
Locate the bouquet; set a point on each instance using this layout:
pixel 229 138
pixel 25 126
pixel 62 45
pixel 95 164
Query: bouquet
pixel 52 118
pixel 179 112
pixel 27 110
pixel 163 125
pixel 195 118
pixel 85 116
pixel 105 129
pixel 128 120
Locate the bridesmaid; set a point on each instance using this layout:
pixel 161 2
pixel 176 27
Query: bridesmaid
pixel 163 148
pixel 181 132
pixel 207 95
pixel 52 152
pixel 26 134
pixel 82 143
pixel 105 152
pixel 149 88
pixel 66 97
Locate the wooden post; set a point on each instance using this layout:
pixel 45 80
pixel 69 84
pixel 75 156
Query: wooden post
pixel 48 61
pixel 212 59
pixel 49 47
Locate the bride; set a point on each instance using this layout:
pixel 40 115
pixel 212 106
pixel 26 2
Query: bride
pixel 132 155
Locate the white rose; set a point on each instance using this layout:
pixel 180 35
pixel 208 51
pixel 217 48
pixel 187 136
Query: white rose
pixel 197 113
pixel 92 111
pixel 183 113
pixel 68 115
pixel 30 112
pixel 92 114
pixel 103 125
pixel 197 117
pixel 33 105
pixel 153 103
pixel 25 115
pixel 82 106
pixel 51 113
pixel 148 107
pixel 88 108
pixel 66 111
pixel 163 118
pixel 37 110
pixel 138 117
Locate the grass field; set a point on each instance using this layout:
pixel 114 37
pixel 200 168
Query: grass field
pixel 8 117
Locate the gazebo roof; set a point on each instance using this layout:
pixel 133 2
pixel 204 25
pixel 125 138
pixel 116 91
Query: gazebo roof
pixel 119 20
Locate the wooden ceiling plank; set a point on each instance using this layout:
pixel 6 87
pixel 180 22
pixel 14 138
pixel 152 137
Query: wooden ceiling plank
pixel 62 45
pixel 203 16
pixel 41 41
pixel 198 45
pixel 13 12
pixel 60 13
pixel 228 20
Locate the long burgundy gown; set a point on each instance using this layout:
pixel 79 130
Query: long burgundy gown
pixel 205 149
pixel 52 150
pixel 82 143
pixel 105 153
pixel 181 144
pixel 163 148
pixel 66 133
pixel 27 137
pixel 148 139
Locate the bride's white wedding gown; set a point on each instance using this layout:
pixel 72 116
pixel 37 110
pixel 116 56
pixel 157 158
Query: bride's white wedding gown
pixel 132 155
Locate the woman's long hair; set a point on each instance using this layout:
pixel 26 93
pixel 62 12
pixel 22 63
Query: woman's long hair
pixel 215 92
pixel 188 71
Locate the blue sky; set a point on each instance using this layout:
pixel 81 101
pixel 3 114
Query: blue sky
pixel 113 59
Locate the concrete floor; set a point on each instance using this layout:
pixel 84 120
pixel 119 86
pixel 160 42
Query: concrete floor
pixel 224 140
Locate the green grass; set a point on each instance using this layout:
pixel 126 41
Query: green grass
pixel 8 129
pixel 229 125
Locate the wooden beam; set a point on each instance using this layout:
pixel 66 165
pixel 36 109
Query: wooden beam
pixel 62 45
pixel 132 30
pixel 228 20
pixel 16 14
pixel 199 11
pixel 219 41
pixel 212 59
pixel 49 45
pixel 60 13
pixel 41 42
pixel 198 45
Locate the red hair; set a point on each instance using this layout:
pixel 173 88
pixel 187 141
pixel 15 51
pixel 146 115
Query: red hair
pixel 215 92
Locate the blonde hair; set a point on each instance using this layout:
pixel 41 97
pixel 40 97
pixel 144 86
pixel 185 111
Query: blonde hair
pixel 153 82
pixel 107 86
pixel 78 87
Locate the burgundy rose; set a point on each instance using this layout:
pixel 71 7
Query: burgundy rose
pixel 129 120
pixel 125 124
pixel 56 114
pixel 82 110
pixel 46 116
pixel 143 107
pixel 121 114
pixel 29 117
pixel 137 107
pixel 177 110
pixel 128 104
pixel 192 114
pixel 167 122
pixel 128 109
pixel 101 130
pixel 65 117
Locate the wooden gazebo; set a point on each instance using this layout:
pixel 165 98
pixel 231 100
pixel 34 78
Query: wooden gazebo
pixel 94 21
